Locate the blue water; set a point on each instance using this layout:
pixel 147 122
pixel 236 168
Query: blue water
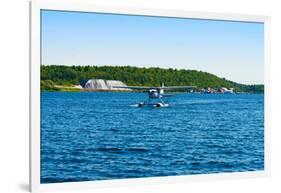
pixel 99 136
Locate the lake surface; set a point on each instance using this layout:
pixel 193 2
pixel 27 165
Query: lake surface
pixel 99 135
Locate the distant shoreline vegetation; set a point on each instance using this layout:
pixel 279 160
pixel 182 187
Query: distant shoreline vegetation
pixel 62 78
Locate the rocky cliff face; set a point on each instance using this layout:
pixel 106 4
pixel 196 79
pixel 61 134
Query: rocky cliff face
pixel 100 84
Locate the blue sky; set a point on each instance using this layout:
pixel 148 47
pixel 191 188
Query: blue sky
pixel 233 50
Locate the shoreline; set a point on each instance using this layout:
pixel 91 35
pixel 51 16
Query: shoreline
pixel 123 91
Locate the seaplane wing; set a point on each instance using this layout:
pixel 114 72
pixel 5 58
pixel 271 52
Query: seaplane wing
pixel 175 87
pixel 156 87
pixel 134 87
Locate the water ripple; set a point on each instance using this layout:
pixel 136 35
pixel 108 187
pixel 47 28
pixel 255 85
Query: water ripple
pixel 98 136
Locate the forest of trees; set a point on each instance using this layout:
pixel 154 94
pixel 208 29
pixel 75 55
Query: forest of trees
pixel 52 75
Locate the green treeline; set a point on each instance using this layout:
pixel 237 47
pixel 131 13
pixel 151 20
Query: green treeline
pixel 52 75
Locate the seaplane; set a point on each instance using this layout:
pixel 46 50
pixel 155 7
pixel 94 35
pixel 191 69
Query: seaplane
pixel 155 94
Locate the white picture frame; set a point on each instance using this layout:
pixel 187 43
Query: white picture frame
pixel 35 61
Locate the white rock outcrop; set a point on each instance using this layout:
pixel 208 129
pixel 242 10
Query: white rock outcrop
pixel 100 84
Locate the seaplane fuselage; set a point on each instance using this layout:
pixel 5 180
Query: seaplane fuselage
pixel 155 93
